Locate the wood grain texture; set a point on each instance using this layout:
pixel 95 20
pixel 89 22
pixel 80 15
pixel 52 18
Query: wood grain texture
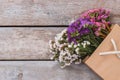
pixel 26 43
pixel 55 12
pixel 43 70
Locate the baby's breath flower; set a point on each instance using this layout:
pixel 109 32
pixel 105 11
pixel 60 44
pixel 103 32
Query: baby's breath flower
pixel 78 62
pixel 70 46
pixel 75 46
pixel 83 44
pixel 77 50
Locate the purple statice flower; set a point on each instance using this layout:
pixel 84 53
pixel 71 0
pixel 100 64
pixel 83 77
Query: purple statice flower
pixel 77 29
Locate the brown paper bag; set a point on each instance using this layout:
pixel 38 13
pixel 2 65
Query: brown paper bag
pixel 107 66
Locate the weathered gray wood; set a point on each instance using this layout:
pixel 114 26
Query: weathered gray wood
pixel 26 43
pixel 55 12
pixel 43 70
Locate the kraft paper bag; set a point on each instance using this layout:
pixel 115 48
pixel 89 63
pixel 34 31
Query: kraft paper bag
pixel 107 66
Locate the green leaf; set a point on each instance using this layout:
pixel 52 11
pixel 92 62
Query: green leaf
pixel 76 33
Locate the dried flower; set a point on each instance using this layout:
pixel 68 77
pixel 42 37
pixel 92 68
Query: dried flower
pixel 81 38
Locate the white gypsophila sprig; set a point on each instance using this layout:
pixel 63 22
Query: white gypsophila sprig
pixel 85 43
pixel 64 52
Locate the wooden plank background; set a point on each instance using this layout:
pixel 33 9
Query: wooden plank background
pixel 35 40
pixel 43 70
pixel 55 12
pixel 26 43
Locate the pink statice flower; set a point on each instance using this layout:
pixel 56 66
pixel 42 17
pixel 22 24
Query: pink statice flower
pixel 99 18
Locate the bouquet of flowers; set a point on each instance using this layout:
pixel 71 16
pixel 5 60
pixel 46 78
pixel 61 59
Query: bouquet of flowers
pixel 81 37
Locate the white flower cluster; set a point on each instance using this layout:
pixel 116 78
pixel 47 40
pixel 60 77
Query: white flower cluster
pixel 85 43
pixel 64 52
